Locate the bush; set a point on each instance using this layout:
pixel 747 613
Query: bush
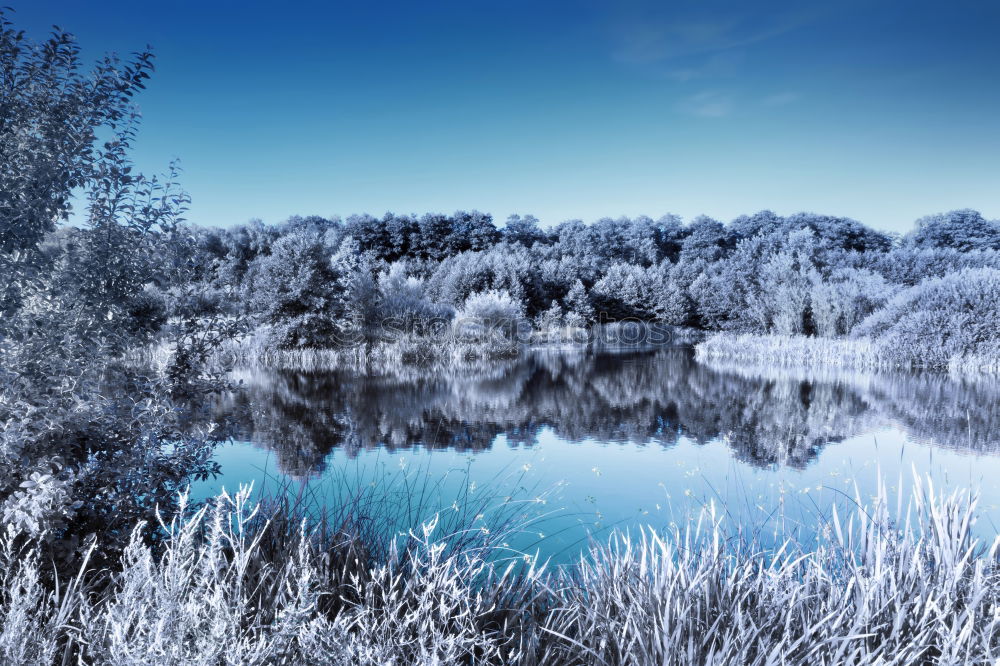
pixel 939 321
pixel 403 304
pixel 849 295
pixel 490 312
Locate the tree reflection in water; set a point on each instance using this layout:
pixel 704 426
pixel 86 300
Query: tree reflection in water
pixel 767 416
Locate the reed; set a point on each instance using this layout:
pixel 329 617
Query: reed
pixel 888 581
pixel 859 353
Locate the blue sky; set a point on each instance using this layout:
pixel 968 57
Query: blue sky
pixel 881 111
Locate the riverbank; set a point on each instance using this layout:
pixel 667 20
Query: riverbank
pixel 446 349
pixel 854 353
pixel 239 583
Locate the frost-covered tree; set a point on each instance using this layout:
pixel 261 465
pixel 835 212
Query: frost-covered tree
pixel 626 291
pixel 963 230
pixel 706 240
pixel 578 306
pixel 846 297
pixel 403 304
pixel 492 312
pixel 550 319
pixel 940 320
pixel 523 230
pixel 787 280
pixel 297 292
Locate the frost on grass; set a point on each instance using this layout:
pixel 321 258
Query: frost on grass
pixel 890 581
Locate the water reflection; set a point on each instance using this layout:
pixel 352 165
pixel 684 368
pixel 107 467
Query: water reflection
pixel 767 417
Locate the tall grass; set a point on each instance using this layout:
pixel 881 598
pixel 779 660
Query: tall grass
pixel 856 352
pixel 888 582
pixel 793 350
pixel 410 349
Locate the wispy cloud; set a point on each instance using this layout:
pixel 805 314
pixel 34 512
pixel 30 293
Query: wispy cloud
pixel 707 104
pixel 644 39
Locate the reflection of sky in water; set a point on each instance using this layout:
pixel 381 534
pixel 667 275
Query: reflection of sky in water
pixel 590 486
pixel 615 439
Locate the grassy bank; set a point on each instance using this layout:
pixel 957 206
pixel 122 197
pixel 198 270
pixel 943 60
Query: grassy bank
pixel 446 350
pixel 855 353
pixel 793 350
pixel 410 350
pixel 886 585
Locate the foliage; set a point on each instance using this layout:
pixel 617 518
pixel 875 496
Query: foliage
pixel 804 274
pixel 849 295
pixel 963 230
pixel 297 292
pixel 77 460
pixel 579 310
pixel 239 585
pixel 490 312
pixel 404 306
pixel 940 320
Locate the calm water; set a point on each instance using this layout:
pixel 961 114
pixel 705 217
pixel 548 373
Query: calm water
pixel 583 442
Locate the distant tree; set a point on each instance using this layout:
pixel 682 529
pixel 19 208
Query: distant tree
pixel 831 232
pixel 434 240
pixel 550 319
pixel 706 240
pixel 840 232
pixel 494 311
pixel 297 292
pixel 473 231
pixel 457 277
pixel 670 234
pixel 909 265
pixel 963 230
pixel 673 304
pixel 372 235
pixel 403 304
pixel 626 291
pixel 787 280
pixel 762 223
pixel 625 240
pixel 403 232
pixel 844 299
pixel 244 244
pixel 523 230
pixel 579 309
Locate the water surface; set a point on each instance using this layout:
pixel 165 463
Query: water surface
pixel 584 442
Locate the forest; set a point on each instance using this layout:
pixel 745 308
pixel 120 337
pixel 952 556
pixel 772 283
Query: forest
pixel 925 299
pixel 106 559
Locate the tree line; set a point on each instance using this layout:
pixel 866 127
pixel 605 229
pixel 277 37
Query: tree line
pixel 312 281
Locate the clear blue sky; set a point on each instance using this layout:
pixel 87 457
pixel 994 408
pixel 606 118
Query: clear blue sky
pixel 882 111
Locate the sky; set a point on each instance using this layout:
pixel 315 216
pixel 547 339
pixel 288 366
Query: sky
pixel 879 111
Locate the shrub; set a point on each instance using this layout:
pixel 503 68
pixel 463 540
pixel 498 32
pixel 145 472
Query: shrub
pixel 490 312
pixel 849 295
pixel 403 304
pixel 939 320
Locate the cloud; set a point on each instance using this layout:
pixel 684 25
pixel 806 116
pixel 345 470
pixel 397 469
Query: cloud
pixel 707 104
pixel 644 39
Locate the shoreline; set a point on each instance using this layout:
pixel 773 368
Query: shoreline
pixel 853 353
